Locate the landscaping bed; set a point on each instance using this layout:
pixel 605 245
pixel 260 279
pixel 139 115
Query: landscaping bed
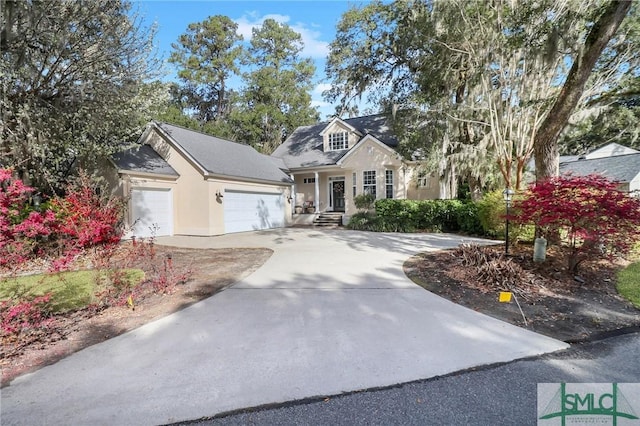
pixel 567 307
pixel 210 271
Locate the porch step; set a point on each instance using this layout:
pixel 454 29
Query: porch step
pixel 328 219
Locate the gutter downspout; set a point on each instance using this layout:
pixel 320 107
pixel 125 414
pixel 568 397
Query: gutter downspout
pixel 317 194
pixel 293 195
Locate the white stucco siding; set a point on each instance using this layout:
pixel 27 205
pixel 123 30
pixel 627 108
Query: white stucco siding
pixel 634 186
pixel 370 155
pixel 415 191
pixel 191 206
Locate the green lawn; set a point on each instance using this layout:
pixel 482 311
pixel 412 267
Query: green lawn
pixel 69 290
pixel 629 283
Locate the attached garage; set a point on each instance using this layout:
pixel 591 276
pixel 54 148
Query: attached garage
pixel 151 212
pixel 252 211
pixel 182 182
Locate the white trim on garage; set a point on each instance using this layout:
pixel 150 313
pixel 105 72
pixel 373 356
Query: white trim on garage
pixel 252 211
pixel 151 212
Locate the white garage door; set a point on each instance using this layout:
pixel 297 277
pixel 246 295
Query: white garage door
pixel 252 211
pixel 152 212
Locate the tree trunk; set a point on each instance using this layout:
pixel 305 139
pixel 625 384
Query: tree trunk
pixel 546 140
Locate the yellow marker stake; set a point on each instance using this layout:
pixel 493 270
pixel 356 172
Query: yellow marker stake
pixel 505 297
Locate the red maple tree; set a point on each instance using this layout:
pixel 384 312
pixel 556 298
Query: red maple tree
pixel 590 215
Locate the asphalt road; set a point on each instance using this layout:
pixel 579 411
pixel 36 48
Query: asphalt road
pixel 497 395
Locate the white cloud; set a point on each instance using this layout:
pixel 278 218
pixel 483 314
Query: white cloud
pixel 313 46
pixel 320 103
pixel 322 87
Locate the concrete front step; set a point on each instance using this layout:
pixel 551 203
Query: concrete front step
pixel 328 219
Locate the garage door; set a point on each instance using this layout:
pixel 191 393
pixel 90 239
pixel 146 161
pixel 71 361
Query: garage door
pixel 252 211
pixel 152 212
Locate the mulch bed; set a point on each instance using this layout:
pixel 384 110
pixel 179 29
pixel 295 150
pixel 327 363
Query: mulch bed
pixel 554 303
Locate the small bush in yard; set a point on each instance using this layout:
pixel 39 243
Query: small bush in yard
pixel 467 216
pixel 70 224
pixel 593 217
pixel 25 315
pixel 16 220
pixel 364 201
pixel 365 221
pixel 492 217
pixel 88 217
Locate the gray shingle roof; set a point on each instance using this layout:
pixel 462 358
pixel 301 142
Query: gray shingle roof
pixel 143 159
pixel 222 157
pixel 620 168
pixel 303 148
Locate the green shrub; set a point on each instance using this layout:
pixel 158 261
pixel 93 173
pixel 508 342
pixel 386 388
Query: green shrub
pixel 492 212
pixel 393 215
pixel 469 219
pixel 446 214
pixel 428 215
pixel 365 221
pixel 396 215
pixel 364 201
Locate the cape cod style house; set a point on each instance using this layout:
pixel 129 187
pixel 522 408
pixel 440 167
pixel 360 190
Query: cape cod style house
pixel 183 182
pixel 331 163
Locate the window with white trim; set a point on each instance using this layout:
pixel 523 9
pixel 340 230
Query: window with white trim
pixel 388 179
pixel 423 180
pixel 338 141
pixel 354 183
pixel 309 180
pixel 369 182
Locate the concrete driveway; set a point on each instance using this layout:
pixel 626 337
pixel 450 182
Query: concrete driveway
pixel 330 312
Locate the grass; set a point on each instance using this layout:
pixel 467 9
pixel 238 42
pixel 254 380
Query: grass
pixel 69 290
pixel 629 283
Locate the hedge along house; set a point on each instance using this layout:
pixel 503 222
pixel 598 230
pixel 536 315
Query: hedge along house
pixel 183 182
pixel 331 163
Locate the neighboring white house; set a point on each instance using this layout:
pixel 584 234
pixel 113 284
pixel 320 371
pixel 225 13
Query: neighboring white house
pixel 613 161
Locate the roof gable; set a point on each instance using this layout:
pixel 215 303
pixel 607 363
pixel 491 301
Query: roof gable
pixel 143 159
pixel 304 147
pixel 219 157
pixel 610 150
pixel 337 122
pixel 368 138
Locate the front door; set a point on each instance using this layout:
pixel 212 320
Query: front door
pixel 337 195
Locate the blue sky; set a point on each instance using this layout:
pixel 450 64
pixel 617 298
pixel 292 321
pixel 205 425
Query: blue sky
pixel 314 20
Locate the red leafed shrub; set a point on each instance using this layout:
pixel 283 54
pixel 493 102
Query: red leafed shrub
pixel 15 219
pixel 23 316
pixel 87 216
pixel 593 218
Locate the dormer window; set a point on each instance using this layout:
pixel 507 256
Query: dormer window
pixel 338 141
